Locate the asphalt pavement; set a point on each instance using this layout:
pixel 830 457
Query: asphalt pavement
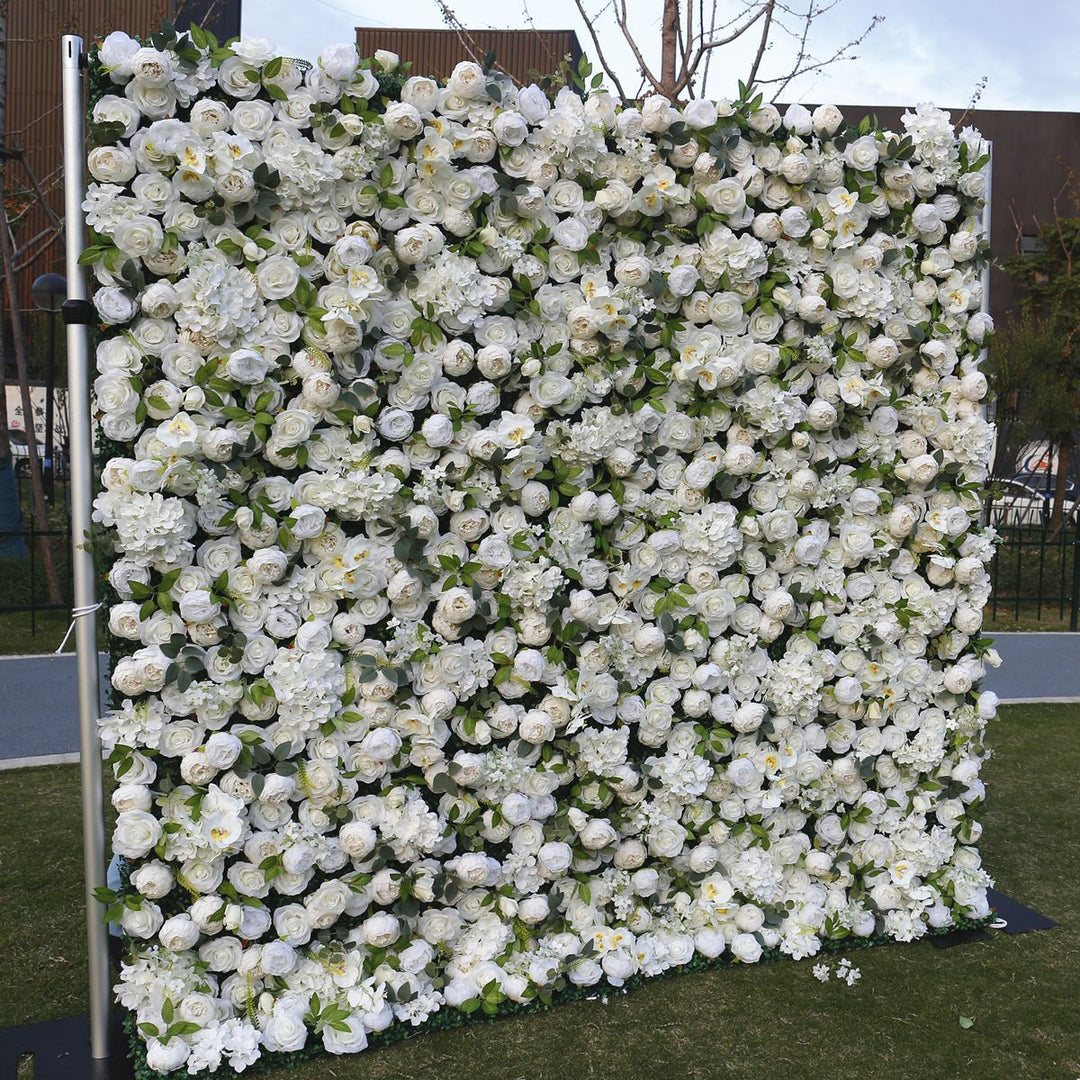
pixel 1036 666
pixel 39 710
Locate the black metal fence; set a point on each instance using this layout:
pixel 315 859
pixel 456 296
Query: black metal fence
pixel 23 580
pixel 1036 573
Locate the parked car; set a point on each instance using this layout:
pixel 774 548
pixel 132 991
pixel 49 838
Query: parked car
pixel 1018 501
pixel 1047 483
pixel 20 454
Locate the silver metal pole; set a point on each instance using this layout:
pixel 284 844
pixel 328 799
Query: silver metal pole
pixel 987 210
pixel 989 409
pixel 80 456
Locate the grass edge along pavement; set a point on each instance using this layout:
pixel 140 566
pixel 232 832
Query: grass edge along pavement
pixel 901 1020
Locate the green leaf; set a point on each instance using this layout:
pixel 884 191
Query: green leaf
pixel 91 254
pixel 966 1022
pixel 183 1027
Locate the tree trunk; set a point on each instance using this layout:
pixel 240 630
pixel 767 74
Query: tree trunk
pixel 668 39
pixel 7 262
pixel 1057 514
pixel 5 447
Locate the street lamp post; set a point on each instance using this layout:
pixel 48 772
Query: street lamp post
pixel 49 292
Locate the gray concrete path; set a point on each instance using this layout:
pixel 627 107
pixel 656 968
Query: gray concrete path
pixel 39 712
pixel 1036 666
pixel 38 709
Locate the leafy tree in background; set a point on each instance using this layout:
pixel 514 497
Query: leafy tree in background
pixel 1034 362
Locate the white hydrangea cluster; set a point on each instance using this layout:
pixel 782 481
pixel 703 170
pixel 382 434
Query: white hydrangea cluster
pixel 547 540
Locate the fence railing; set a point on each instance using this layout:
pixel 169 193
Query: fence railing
pixel 1035 575
pixel 23 582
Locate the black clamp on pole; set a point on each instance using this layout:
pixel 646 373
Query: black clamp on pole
pixel 78 313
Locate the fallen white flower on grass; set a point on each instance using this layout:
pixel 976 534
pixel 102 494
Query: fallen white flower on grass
pixel 844 971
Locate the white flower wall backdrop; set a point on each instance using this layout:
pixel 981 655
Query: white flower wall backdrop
pixel 547 544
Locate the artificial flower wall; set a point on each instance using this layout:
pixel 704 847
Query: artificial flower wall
pixel 547 544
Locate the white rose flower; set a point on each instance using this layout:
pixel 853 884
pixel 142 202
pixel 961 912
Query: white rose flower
pixel 554 859
pixel 178 933
pixel 402 120
pixel 135 833
pixel 596 834
pixel 340 61
pixel 116 53
pixel 349 1036
pixel 467 80
pixel 381 930
pixel 115 306
pixel 143 921
pixel 166 1057
pixel 699 114
pixel 153 879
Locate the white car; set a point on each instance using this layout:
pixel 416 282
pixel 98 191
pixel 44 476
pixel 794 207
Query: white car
pixel 20 454
pixel 1015 505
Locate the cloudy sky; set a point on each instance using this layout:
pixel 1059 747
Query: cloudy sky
pixel 925 50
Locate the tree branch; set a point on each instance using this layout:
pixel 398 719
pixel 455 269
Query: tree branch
pixel 622 21
pixel 761 45
pixel 527 14
pixel 707 46
pixel 840 54
pixel 688 42
pixel 808 19
pixel 686 39
pixel 599 51
pixel 468 42
pixel 708 56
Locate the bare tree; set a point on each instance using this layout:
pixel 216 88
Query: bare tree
pixel 692 30
pixel 468 43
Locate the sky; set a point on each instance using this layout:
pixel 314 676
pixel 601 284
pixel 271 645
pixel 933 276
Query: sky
pixel 924 50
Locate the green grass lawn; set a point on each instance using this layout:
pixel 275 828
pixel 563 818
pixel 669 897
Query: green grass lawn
pixel 21 634
pixel 23 582
pixel 900 1022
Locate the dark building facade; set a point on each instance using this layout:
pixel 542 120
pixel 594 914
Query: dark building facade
pixel 35 123
pixel 436 52
pixel 1033 155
